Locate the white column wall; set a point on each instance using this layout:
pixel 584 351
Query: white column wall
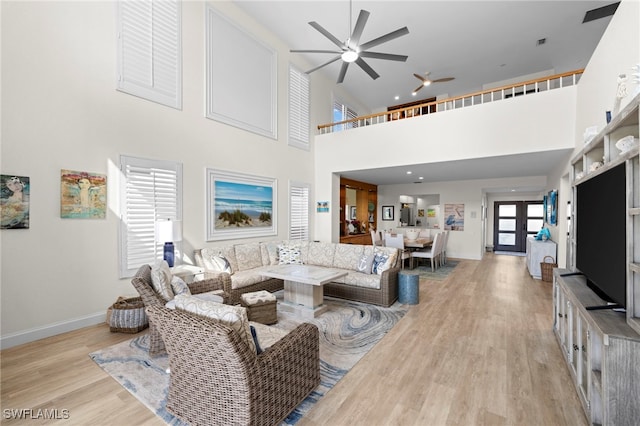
pixel 61 111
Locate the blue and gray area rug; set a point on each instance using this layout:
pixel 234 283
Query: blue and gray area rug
pixel 348 330
pixel 439 274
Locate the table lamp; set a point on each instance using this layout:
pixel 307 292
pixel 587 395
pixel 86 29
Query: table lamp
pixel 168 231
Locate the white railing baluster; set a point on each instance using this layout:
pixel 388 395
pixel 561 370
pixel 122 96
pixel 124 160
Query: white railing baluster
pixel 566 79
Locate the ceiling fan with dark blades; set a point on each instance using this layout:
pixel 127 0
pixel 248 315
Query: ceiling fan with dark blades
pixel 426 81
pixel 351 51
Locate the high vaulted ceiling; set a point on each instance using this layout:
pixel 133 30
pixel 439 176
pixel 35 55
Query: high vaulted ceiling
pixel 476 42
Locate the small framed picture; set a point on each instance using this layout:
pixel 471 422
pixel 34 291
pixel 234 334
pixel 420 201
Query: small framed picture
pixel 353 213
pixel 387 212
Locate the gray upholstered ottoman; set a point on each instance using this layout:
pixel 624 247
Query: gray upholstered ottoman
pixel 261 306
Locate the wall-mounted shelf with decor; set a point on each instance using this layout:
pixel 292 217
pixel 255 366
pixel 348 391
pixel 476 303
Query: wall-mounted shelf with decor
pixel 602 149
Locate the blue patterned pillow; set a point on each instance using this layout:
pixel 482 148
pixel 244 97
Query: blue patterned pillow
pixel 179 286
pixel 289 255
pixel 380 263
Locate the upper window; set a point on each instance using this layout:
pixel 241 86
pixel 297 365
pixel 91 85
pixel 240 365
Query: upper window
pixel 150 191
pixel 298 211
pixel 150 50
pixel 298 108
pixel 342 112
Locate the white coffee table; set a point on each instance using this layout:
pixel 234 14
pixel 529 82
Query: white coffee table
pixel 303 291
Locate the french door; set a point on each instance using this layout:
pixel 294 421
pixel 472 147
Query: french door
pixel 514 221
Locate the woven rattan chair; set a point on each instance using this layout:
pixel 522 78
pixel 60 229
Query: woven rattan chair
pixel 216 379
pixel 142 283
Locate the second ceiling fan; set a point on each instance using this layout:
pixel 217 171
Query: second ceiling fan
pixel 426 81
pixel 351 51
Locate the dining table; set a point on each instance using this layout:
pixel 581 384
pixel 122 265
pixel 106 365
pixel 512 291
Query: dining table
pixel 418 243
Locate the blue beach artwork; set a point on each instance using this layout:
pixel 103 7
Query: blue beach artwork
pixel 242 205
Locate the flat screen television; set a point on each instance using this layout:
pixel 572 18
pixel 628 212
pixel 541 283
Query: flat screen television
pixel 601 236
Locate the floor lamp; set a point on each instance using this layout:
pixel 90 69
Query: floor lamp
pixel 169 231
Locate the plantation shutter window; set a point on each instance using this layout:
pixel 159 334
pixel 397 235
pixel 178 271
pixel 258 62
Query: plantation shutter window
pixel 150 50
pixel 298 211
pixel 298 108
pixel 149 191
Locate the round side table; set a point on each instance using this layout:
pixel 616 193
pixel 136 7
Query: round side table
pixel 408 287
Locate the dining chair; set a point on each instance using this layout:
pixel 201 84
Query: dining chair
pixel 424 233
pixel 376 239
pixel 397 241
pixel 431 253
pixel 443 250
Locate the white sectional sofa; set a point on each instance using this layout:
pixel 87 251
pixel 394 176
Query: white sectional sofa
pixel 241 271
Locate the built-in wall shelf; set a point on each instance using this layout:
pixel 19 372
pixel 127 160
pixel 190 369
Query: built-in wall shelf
pixel 601 350
pixel 601 149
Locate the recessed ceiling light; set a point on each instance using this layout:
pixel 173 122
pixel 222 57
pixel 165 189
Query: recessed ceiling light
pixel 397 97
pixel 408 172
pixel 421 178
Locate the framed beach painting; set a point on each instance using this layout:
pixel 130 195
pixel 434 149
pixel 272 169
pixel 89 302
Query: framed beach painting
pixel 14 202
pixel 240 205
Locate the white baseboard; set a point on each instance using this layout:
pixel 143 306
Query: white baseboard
pixel 37 333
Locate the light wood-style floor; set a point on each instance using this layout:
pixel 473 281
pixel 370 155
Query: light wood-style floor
pixel 477 350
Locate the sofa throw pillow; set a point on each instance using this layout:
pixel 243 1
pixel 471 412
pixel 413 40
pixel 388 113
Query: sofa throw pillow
pixel 289 255
pixel 161 280
pixel 221 264
pixel 365 263
pixel 179 286
pixel 232 316
pixel 380 261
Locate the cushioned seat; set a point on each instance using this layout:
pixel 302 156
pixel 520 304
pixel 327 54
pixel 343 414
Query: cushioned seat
pixel 142 282
pixel 261 306
pixel 217 379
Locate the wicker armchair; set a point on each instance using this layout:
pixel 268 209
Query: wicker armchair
pixel 142 283
pixel 217 380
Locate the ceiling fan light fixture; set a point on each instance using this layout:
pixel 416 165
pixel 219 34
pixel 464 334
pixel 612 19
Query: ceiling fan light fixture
pixel 426 83
pixel 350 56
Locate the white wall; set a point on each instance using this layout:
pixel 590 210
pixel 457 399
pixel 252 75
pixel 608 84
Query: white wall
pixel 616 53
pixel 61 111
pixel 522 124
pixel 467 244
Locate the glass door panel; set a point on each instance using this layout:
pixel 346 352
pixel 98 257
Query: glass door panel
pixel 514 221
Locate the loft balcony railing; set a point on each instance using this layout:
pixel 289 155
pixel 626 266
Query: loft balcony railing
pixel 556 81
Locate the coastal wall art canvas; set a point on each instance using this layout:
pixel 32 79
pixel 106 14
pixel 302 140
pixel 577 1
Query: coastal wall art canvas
pixel 454 217
pixel 553 207
pixel 240 205
pixel 14 202
pixel 83 195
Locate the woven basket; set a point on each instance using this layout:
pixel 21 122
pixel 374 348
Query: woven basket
pixel 128 316
pixel 547 268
